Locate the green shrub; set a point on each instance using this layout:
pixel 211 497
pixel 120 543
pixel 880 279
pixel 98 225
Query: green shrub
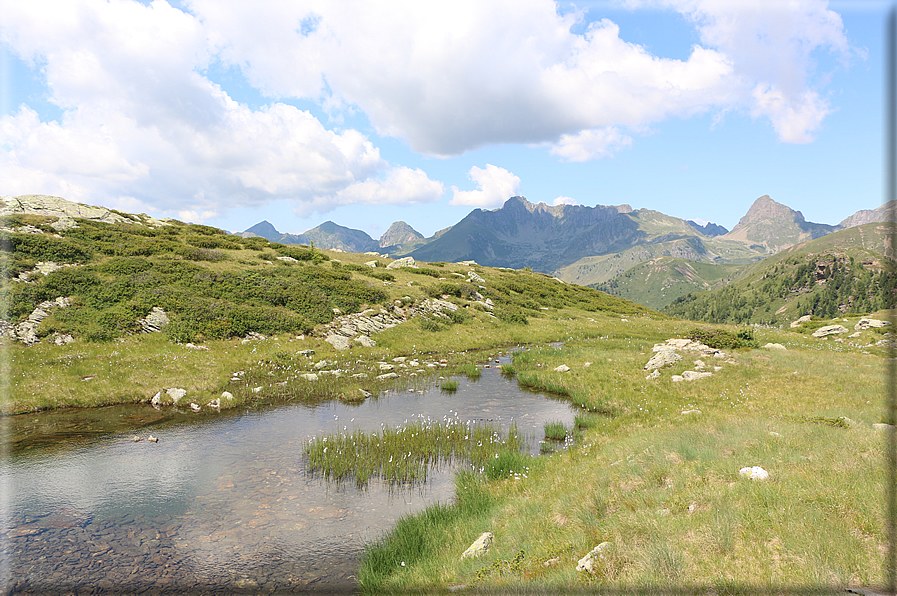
pixel 45 248
pixel 255 243
pixel 422 271
pixel 193 253
pixel 722 339
pixel 225 242
pixel 509 314
pixel 377 274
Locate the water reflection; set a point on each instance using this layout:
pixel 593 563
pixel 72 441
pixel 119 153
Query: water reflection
pixel 222 501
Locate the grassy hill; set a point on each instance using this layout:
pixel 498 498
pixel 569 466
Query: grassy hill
pixel 844 272
pixel 659 281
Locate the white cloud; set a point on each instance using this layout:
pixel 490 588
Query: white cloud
pixel 400 185
pixel 591 144
pixel 195 216
pixel 565 201
pixel 495 186
pixel 141 124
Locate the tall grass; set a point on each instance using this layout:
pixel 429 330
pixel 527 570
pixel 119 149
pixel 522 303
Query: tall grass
pixel 406 453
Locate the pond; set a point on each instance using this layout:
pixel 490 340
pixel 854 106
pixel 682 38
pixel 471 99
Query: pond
pixel 222 503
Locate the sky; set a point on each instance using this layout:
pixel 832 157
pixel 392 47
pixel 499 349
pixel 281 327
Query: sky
pixel 364 113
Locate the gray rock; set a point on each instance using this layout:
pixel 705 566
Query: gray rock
pixel 663 358
pixel 287 259
pixel 339 342
pixel 691 375
pixel 829 330
pixel 306 353
pixel 653 375
pixel 803 319
pixel 59 208
pixel 589 562
pixel 479 547
pixel 690 412
pixel 366 394
pixel 403 262
pixel 372 264
pixel 771 346
pixel 868 323
pixel 562 368
pixel 309 376
pixel 227 395
pixel 157 399
pixel 61 340
pixel 365 341
pixel 676 378
pixel 154 321
pixel 882 427
pixel 390 375
pixel 176 394
pixel 474 277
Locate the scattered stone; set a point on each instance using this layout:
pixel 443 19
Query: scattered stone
pixel 663 358
pixel 754 473
pixel 590 561
pixel 391 375
pixel 372 264
pixel 854 335
pixel 562 368
pixel 403 262
pixel 195 407
pixel 136 439
pixel 152 439
pixel 157 399
pixel 385 366
pixel 676 378
pixel 193 346
pixel 154 321
pixel 309 377
pixel 653 375
pixel 551 562
pixel 227 395
pixel 287 259
pixel 215 403
pixel 699 364
pixel 803 319
pixel 320 364
pixel 882 427
pixel 479 547
pixel 691 375
pixel 690 412
pixel 771 346
pixel 364 340
pixel 829 330
pixel 62 340
pixel 366 394
pixel 306 353
pixel 868 323
pixel 338 342
pixel 474 277
pixel 176 394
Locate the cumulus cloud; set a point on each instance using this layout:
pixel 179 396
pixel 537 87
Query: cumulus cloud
pixel 495 185
pixel 565 201
pixel 591 144
pixel 140 123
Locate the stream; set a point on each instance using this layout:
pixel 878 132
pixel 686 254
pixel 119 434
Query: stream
pixel 222 503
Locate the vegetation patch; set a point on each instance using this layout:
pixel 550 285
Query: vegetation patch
pixel 723 339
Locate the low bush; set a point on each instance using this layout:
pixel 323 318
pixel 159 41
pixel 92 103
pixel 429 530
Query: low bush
pixel 722 339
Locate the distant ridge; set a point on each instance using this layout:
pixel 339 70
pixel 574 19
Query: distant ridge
pixel 775 226
pixel 864 216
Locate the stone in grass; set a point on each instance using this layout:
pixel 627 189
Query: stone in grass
pixel 663 358
pixel 771 346
pixel 176 394
pixel 590 561
pixel 653 375
pixel 338 342
pixel 690 412
pixel 365 341
pixel 829 330
pixel 479 547
pixel 227 395
pixel 882 427
pixel 690 375
pixel 157 399
pixel 754 473
pixel 391 375
pixel 309 376
pixel 562 368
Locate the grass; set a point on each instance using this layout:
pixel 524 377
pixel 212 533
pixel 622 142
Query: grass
pixel 407 453
pixel 663 487
pixel 555 430
pixel 449 386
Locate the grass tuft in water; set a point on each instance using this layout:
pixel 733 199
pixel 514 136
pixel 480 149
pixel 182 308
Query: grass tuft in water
pixel 555 430
pixel 451 386
pixel 471 371
pixel 406 453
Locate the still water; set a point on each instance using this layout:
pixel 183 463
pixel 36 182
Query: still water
pixel 222 503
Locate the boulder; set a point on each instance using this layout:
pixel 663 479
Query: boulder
pixel 474 277
pixel 589 562
pixel 61 340
pixel 663 358
pixel 829 330
pixel 157 399
pixel 754 473
pixel 309 376
pixel 771 346
pixel 479 547
pixel 176 394
pixel 562 368
pixel 390 375
pixel 372 264
pixel 59 208
pixel 154 321
pixel 195 407
pixel 691 375
pixel 339 342
pixel 653 375
pixel 803 319
pixel 227 395
pixel 365 341
pixel 403 262
pixel 882 427
pixel 867 323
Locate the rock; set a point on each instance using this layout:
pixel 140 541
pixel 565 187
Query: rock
pixel 590 561
pixel 215 403
pixel 309 377
pixel 854 335
pixel 192 346
pixel 754 473
pixel 61 340
pixel 551 562
pixel 391 375
pixel 663 358
pixel 400 359
pixel 287 259
pixel 676 378
pixel 136 439
pixel 690 412
pixel 882 427
pixel 829 330
pixel 366 394
pixel 653 375
pixel 474 277
pixel 195 407
pixel 403 262
pixel 479 547
pixel 771 346
pixel 339 342
pixel 320 364
pixel 59 208
pixel 691 375
pixel 306 353
pixel 385 366
pixel 152 439
pixel 227 395
pixel 867 323
pixel 803 319
pixel 562 368
pixel 176 394
pixel 364 340
pixel 157 399
pixel 154 321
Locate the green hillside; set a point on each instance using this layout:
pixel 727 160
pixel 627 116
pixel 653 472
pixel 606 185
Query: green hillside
pixel 659 281
pixel 844 272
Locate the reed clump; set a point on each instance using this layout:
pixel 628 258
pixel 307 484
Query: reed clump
pixel 407 453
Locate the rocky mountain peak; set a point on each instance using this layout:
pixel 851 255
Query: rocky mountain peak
pixel 399 233
pixel 775 226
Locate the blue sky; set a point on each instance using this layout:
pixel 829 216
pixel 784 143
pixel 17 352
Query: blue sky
pixel 365 113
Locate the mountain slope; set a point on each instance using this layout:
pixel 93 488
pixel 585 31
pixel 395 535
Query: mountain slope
pixel 863 216
pixel 850 271
pixel 775 226
pixel 336 237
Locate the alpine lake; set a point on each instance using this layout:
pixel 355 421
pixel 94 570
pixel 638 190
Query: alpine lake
pixel 225 501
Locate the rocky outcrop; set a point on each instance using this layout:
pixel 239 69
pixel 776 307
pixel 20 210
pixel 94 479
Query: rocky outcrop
pixel 154 321
pixel 829 330
pixel 479 547
pixel 869 323
pixel 26 331
pixel 66 212
pixel 663 358
pixel 403 262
